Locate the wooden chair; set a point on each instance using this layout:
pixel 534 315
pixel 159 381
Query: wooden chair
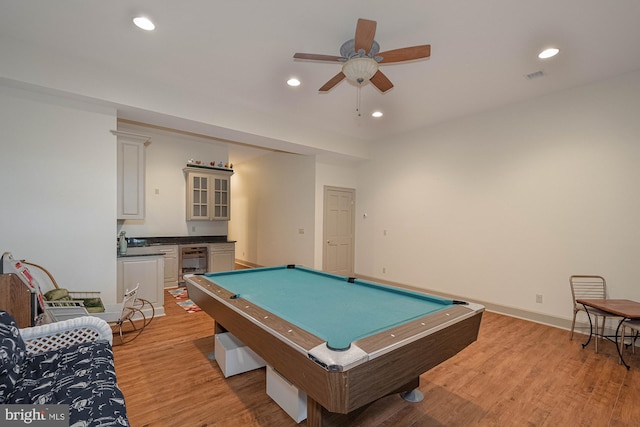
pixel 589 287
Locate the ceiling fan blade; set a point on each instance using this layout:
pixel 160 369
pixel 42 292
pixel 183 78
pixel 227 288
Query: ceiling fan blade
pixel 331 83
pixel 314 57
pixel 405 54
pixel 381 81
pixel 365 32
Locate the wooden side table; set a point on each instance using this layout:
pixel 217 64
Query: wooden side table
pixel 17 299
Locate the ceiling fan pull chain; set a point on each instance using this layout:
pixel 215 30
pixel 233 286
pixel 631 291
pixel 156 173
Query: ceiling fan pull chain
pixel 358 99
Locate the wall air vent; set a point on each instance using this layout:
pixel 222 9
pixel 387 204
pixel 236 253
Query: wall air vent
pixel 535 75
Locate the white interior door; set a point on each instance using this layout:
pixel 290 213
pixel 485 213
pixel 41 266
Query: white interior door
pixel 339 221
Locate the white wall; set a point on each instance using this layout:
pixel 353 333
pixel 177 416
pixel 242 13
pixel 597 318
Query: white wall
pixel 507 204
pixel 273 197
pixel 165 209
pixel 58 175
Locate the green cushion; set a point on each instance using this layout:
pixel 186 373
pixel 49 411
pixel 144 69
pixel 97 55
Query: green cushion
pixel 57 295
pixel 92 302
pixel 93 305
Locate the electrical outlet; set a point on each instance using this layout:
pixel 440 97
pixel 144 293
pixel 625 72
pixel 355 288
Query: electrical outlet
pixel 539 298
pixel 384 269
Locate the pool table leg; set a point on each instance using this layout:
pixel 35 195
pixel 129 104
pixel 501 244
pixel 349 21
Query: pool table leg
pixel 218 328
pixel 318 416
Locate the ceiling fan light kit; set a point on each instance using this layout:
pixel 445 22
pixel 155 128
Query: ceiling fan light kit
pixel 360 70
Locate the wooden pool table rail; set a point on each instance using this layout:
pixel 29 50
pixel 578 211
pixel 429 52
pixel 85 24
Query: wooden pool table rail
pixel 298 336
pixel 333 398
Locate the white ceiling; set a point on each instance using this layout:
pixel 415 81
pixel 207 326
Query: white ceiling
pixel 236 56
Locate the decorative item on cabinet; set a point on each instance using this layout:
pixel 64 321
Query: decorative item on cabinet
pixel 213 165
pixel 122 243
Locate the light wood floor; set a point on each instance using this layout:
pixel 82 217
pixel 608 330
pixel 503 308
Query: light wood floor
pixel 518 373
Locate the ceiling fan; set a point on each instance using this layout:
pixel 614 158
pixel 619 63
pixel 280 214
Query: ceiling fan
pixel 361 57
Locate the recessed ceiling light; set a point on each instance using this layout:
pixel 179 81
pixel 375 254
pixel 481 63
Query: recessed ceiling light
pixel 376 114
pixel 548 53
pixel 144 23
pixel 293 82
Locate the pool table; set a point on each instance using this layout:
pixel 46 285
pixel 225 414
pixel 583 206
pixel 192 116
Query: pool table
pixel 345 342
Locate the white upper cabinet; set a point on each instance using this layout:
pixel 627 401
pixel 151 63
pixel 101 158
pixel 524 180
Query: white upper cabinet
pixel 131 169
pixel 208 194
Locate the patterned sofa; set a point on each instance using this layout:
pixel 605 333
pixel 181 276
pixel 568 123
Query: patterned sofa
pixel 68 362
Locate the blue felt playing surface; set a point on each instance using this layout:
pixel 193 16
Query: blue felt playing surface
pixel 328 305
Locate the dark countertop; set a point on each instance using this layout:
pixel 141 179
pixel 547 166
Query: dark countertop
pixel 132 255
pixel 137 242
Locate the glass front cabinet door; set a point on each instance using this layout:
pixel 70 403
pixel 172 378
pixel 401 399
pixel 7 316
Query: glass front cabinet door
pixel 208 194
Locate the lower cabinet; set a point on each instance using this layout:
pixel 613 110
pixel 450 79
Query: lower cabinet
pixel 171 268
pixel 222 257
pixel 148 273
